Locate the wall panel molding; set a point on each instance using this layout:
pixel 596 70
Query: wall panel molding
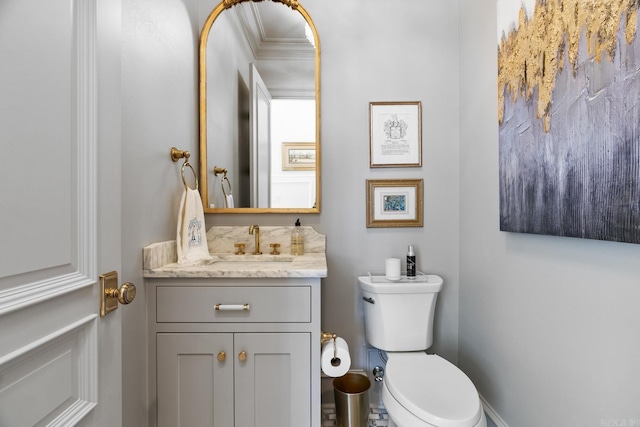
pixel 33 287
pixel 61 367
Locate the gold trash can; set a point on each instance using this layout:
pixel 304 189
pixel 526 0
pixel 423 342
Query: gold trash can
pixel 351 393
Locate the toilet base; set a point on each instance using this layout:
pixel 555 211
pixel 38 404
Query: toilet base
pixel 399 416
pixel 481 423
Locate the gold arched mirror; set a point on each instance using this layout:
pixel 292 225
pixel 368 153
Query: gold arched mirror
pixel 259 108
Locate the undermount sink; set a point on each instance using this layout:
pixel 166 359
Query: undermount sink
pixel 252 258
pixel 252 265
pixel 229 260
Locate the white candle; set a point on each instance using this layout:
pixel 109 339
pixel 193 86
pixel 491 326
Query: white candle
pixel 392 268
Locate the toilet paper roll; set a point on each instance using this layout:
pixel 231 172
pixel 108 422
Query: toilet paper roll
pixel 335 361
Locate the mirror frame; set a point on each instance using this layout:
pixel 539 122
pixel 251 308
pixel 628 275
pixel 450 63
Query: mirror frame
pixel 202 68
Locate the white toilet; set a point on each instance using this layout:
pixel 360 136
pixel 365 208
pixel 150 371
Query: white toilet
pixel 418 389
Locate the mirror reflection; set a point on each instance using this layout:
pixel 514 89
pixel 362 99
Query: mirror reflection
pixel 259 103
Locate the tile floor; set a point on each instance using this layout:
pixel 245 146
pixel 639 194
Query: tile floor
pixel 377 418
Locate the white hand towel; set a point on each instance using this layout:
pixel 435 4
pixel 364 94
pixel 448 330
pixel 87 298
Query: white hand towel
pixel 192 238
pixel 229 200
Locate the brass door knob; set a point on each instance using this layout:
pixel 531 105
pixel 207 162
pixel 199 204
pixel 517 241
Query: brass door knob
pixel 126 294
pixel 242 356
pixel 221 356
pixel 110 295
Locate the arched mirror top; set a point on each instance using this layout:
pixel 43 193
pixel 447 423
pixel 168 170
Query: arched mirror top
pixel 259 90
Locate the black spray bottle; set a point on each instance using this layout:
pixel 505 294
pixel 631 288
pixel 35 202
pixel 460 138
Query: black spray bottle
pixel 411 263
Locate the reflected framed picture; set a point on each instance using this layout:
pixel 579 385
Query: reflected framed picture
pixel 394 203
pixel 298 156
pixel 395 134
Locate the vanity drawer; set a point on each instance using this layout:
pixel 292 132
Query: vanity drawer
pixel 178 304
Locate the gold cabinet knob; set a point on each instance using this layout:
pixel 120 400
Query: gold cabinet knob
pixel 242 356
pixel 221 356
pixel 125 295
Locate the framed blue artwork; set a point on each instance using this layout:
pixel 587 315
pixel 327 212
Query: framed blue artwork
pixel 395 202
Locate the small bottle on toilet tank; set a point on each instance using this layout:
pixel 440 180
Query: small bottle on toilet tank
pixel 411 263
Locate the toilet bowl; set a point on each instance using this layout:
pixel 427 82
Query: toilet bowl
pixel 425 390
pixel 418 389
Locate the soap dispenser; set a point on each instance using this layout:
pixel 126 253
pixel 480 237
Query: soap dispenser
pixel 297 239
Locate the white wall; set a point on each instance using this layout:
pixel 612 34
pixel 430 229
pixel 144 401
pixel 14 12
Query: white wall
pixel 159 100
pixel 548 325
pixel 372 50
pixel 228 63
pixel 413 59
pixel 292 121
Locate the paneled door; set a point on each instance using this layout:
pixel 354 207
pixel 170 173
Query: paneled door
pixel 260 135
pixel 60 362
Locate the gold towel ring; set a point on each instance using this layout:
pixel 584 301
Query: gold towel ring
pixel 228 185
pixel 183 154
pixel 223 171
pixel 195 176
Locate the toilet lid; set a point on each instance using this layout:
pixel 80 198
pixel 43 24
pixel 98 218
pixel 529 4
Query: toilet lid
pixel 433 389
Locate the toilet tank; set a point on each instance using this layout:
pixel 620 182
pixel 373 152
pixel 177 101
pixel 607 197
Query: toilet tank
pixel 398 316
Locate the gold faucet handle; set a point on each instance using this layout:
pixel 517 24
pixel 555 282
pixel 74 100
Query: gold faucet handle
pixel 240 247
pixel 274 248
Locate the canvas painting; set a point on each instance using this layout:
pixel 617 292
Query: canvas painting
pixel 569 118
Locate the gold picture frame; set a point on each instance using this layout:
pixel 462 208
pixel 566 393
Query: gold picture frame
pixel 298 156
pixel 395 202
pixel 395 134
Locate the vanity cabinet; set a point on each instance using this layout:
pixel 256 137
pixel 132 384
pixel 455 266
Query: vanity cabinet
pixel 214 379
pixel 252 361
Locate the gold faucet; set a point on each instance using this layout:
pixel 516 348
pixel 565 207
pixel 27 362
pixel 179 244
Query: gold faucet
pixel 257 233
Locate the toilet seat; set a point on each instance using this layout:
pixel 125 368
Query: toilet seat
pixel 432 389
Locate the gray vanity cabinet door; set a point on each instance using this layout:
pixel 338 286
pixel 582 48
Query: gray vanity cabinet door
pixel 273 382
pixel 195 387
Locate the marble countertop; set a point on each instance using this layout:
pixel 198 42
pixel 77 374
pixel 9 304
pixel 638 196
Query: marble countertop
pixel 160 258
pixel 222 265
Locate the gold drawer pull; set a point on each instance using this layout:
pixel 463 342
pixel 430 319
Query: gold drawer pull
pixel 242 356
pixel 221 356
pixel 233 307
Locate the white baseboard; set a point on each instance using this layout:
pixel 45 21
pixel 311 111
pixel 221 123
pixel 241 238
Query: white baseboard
pixel 491 413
